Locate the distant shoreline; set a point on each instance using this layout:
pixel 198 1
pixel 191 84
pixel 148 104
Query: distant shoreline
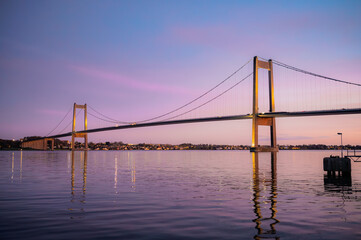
pixel 15 145
pixel 153 150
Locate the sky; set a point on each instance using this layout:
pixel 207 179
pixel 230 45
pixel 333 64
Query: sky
pixel 133 60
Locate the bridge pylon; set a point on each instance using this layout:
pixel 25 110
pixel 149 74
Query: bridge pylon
pixel 265 121
pixel 76 134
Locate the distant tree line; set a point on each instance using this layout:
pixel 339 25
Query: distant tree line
pixel 60 144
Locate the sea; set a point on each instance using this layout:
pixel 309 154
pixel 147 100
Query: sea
pixel 177 195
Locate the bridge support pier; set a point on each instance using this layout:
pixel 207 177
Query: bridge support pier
pixel 79 135
pixel 265 121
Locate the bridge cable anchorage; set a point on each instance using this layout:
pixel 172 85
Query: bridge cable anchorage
pixel 69 122
pixel 177 109
pixel 212 99
pixel 111 120
pixel 313 74
pixel 60 122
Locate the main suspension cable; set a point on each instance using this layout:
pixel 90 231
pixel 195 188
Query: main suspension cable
pixel 313 74
pixel 60 122
pixel 106 120
pixel 70 122
pixel 112 120
pixel 212 99
pixel 185 105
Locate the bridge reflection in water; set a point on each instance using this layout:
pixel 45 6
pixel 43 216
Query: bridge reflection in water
pixel 79 159
pixel 264 187
pixel 77 199
pixel 265 195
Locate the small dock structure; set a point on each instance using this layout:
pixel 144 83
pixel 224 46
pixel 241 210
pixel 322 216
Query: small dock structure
pixel 354 155
pixel 333 164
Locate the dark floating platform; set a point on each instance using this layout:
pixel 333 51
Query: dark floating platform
pixel 337 164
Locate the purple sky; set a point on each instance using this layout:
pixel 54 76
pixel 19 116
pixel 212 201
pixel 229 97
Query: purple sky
pixel 133 60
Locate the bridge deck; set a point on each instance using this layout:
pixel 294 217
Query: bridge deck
pixel 220 118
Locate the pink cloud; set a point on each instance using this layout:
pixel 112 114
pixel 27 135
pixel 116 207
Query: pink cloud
pixel 131 82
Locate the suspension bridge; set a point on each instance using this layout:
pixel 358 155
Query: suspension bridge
pixel 250 92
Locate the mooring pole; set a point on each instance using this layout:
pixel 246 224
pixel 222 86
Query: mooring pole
pixel 341 147
pixel 341 144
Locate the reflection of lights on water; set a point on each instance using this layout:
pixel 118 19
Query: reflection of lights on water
pixel 131 164
pixel 72 173
pixel 12 166
pixel 115 172
pixel 21 165
pixel 85 170
pixel 69 160
pixel 133 177
pixel 133 173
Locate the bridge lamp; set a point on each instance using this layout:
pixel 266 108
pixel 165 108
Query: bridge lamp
pixel 341 144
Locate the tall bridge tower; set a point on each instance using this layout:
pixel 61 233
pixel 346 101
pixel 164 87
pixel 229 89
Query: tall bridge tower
pixel 265 121
pixel 74 133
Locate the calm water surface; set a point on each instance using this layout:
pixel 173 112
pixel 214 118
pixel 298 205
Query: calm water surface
pixel 176 195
